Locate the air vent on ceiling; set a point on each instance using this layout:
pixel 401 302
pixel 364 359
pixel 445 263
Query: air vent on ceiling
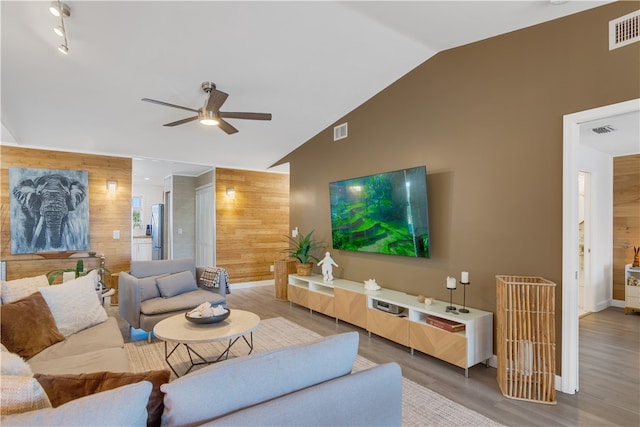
pixel 340 132
pixel 624 30
pixel 604 129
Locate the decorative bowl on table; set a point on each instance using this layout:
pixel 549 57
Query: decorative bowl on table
pixel 210 319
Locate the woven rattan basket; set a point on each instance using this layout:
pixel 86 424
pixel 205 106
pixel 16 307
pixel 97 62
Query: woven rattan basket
pixel 526 341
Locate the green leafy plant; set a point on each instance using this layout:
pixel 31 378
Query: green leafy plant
pixel 303 248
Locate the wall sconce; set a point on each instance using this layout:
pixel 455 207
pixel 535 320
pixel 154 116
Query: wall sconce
pixel 231 193
pixel 112 186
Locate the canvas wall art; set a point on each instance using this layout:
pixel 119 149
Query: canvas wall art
pixel 49 210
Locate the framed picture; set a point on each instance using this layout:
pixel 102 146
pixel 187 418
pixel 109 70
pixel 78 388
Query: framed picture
pixel 49 210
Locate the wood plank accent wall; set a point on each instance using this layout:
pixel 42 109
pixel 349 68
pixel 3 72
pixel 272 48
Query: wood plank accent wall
pixel 626 216
pixel 107 212
pixel 250 228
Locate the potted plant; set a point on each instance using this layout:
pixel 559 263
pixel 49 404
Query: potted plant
pixel 79 271
pixel 303 248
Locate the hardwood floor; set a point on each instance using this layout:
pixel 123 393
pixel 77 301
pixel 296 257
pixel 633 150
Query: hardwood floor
pixel 609 367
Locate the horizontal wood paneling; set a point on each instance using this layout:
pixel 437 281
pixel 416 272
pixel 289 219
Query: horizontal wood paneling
pixel 626 217
pixel 250 228
pixel 107 212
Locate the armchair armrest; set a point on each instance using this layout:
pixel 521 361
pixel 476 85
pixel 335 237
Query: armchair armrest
pixel 129 298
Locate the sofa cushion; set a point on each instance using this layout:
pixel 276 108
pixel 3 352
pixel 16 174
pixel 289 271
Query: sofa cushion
pixel 64 388
pixel 149 287
pixel 75 304
pixel 14 290
pixel 122 406
pixel 176 284
pixel 249 380
pixel 27 326
pixel 21 394
pixel 185 302
pixel 103 335
pixel 377 391
pixel 106 359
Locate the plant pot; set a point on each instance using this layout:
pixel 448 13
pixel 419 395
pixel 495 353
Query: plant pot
pixel 304 269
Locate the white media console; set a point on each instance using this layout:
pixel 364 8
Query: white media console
pixel 399 317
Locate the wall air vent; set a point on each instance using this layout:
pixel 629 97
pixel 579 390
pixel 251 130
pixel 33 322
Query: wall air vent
pixel 340 131
pixel 604 129
pixel 624 30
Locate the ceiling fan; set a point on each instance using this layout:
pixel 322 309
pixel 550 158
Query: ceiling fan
pixel 210 113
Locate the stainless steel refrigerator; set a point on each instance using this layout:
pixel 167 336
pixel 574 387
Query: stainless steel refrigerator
pixel 157 231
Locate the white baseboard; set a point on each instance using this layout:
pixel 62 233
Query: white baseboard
pixel 617 303
pixel 243 285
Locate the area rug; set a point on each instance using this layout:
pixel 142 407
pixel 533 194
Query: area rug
pixel 420 406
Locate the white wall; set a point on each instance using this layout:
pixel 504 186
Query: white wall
pixel 600 166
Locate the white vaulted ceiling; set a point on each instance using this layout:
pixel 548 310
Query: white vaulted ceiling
pixel 307 63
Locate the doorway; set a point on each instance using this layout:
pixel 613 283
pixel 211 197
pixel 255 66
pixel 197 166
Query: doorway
pixel 579 155
pixel 205 226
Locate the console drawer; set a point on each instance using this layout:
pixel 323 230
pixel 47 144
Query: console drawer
pixel 388 326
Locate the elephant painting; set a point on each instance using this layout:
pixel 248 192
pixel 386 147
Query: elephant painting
pixel 49 210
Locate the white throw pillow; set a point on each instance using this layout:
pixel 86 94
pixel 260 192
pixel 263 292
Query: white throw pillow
pixel 75 304
pixel 21 394
pixel 13 290
pixel 12 364
pixel 122 406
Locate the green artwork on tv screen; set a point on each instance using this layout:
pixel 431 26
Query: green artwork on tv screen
pixel 385 213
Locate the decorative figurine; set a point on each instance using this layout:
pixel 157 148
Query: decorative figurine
pixel 371 285
pixel 327 264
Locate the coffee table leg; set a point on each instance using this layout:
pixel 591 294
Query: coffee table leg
pixel 167 354
pixel 224 355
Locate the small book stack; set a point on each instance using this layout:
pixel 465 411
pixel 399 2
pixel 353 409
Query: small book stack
pixel 446 324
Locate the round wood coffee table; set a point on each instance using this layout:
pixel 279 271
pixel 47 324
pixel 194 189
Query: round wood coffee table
pixel 178 330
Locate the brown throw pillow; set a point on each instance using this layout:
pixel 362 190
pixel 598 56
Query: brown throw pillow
pixel 63 388
pixel 27 326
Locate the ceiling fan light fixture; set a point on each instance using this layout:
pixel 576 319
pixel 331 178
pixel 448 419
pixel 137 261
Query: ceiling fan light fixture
pixel 207 118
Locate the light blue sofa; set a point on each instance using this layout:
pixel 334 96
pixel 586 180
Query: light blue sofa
pixel 308 385
pixel 154 290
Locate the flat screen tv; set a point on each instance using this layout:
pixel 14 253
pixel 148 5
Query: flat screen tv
pixel 385 213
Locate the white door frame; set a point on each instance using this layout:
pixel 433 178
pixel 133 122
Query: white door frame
pixel 570 259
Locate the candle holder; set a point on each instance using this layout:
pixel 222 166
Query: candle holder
pixel 464 297
pixel 451 307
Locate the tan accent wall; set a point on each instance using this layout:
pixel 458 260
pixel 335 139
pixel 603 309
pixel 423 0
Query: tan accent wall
pixel 250 228
pixel 486 120
pixel 107 212
pixel 626 217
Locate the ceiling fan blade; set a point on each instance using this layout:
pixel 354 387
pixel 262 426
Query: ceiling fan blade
pixel 249 116
pixel 180 122
pixel 216 99
pixel 225 126
pixel 166 104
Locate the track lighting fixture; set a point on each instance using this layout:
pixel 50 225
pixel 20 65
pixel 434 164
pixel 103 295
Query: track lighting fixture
pixel 61 10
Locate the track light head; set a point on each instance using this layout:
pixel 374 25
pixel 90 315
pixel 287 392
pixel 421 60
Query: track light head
pixel 57 9
pixel 59 30
pixel 63 49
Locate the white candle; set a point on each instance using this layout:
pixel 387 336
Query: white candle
pixel 451 282
pixel 465 277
